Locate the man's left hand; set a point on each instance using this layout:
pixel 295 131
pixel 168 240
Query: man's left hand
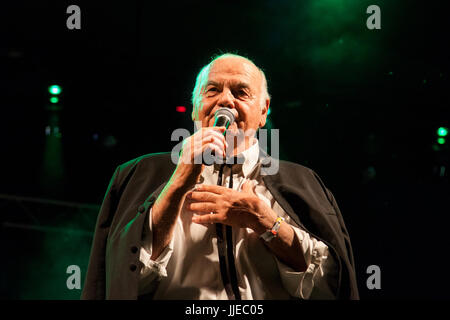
pixel 242 209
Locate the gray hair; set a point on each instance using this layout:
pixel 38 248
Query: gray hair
pixel 203 74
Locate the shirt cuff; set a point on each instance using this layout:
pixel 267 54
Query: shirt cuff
pixel 152 270
pixel 301 284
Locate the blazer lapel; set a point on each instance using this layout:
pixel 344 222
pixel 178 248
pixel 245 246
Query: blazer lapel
pixel 273 184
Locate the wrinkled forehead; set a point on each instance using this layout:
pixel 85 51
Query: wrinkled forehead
pixel 234 68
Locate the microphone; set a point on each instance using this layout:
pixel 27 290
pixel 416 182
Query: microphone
pixel 223 118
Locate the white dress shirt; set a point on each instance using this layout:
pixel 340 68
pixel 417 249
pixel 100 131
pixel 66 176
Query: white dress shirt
pixel 188 268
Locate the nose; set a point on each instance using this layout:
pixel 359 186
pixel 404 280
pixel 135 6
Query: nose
pixel 226 99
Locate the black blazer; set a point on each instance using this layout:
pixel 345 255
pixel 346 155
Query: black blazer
pixel 114 266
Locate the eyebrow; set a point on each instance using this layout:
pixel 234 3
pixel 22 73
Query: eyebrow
pixel 212 83
pixel 239 84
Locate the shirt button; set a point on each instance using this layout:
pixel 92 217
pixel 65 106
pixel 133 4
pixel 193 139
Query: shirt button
pixel 134 249
pixel 133 267
pixel 141 209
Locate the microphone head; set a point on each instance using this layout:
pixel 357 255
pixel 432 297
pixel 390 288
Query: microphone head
pixel 224 118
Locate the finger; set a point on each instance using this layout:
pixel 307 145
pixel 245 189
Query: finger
pixel 202 196
pixel 207 219
pixel 209 148
pixel 206 132
pixel 217 137
pixel 248 186
pixel 215 131
pixel 208 143
pixel 220 130
pixel 202 207
pixel 212 188
pixel 217 134
pixel 215 140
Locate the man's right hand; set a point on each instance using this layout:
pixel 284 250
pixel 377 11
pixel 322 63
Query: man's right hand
pixel 201 143
pixel 168 204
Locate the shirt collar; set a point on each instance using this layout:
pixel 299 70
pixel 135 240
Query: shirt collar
pixel 251 156
pixel 244 161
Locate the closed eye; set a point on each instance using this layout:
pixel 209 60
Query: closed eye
pixel 242 93
pixel 211 91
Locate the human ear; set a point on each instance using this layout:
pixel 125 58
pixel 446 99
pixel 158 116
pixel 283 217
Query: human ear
pixel 264 111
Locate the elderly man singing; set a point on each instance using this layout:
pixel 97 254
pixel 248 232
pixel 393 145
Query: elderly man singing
pixel 188 230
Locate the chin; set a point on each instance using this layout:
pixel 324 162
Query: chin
pixel 234 129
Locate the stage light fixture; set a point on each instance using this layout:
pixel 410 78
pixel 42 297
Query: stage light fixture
pixel 54 89
pixel 442 132
pixel 180 108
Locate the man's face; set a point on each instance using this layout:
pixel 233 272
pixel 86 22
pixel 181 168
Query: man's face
pixel 236 84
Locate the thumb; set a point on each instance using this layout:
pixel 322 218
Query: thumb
pixel 248 186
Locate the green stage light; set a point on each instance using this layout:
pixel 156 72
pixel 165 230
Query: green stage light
pixel 441 140
pixel 54 99
pixel 442 132
pixel 54 89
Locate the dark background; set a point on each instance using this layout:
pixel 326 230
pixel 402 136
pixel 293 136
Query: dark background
pixel 361 107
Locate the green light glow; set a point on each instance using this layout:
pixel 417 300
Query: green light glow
pixel 441 140
pixel 442 132
pixel 336 45
pixel 54 99
pixel 54 89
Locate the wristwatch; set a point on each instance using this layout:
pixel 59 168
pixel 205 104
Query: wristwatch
pixel 272 233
